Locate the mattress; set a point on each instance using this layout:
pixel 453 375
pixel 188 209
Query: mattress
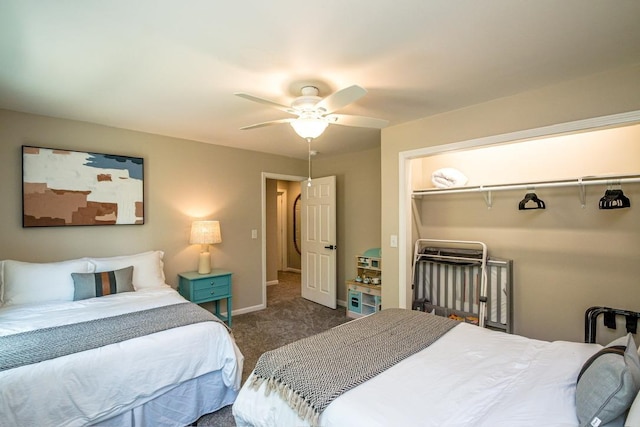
pixel 470 376
pixel 96 385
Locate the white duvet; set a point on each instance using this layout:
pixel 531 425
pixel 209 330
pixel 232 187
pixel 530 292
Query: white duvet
pixel 95 385
pixel 469 377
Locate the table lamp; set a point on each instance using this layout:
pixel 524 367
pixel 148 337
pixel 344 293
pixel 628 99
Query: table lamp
pixel 205 233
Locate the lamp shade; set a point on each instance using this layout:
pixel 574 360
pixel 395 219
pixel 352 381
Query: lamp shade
pixel 309 126
pixel 205 232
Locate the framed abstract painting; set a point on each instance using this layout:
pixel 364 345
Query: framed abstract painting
pixel 65 188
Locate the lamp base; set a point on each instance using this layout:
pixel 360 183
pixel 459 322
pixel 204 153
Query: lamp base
pixel 204 264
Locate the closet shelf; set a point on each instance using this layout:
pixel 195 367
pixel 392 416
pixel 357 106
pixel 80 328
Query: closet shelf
pixel 578 182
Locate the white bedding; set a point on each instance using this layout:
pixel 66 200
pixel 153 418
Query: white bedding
pixel 469 377
pixel 96 385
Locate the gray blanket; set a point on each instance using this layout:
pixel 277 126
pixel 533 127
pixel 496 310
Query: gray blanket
pixel 43 344
pixel 310 373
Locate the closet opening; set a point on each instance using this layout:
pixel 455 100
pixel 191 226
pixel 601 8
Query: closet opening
pixel 556 250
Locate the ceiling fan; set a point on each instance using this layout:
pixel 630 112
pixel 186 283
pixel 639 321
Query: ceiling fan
pixel 314 113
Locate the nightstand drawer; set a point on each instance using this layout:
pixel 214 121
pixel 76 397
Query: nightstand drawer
pixel 211 292
pixel 210 282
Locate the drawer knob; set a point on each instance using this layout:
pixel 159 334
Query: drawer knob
pixel 213 292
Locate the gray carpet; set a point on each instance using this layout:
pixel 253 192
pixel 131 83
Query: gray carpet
pixel 288 317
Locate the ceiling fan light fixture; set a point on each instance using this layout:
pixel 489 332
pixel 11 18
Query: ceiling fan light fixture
pixel 309 127
pixel 315 113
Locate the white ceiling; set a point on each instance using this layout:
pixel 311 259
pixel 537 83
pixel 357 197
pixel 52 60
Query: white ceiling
pixel 170 67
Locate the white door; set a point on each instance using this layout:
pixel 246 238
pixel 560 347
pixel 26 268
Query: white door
pixel 319 240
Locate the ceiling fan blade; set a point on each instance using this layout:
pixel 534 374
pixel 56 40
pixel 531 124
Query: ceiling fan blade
pixel 357 121
pixel 269 123
pixel 339 99
pixel 266 102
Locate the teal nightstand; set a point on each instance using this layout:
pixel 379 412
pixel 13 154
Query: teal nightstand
pixel 199 288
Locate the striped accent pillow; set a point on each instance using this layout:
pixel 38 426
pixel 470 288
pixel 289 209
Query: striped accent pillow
pixel 91 285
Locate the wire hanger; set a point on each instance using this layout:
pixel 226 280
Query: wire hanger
pixel 531 197
pixel 614 199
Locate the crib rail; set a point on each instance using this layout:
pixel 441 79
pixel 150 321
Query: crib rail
pixel 450 277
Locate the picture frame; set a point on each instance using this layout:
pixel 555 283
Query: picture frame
pixel 73 188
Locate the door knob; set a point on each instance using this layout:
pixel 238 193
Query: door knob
pixel 332 247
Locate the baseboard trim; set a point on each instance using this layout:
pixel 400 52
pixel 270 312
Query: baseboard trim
pixel 258 307
pixel 247 309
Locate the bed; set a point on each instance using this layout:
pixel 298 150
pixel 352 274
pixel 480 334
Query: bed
pixel 169 363
pixel 467 376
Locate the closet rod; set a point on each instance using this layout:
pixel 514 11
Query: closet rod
pixel 610 180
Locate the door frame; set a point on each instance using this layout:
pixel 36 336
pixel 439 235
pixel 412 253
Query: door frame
pixel 263 225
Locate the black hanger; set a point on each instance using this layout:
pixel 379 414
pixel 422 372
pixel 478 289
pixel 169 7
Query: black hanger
pixel 531 197
pixel 614 199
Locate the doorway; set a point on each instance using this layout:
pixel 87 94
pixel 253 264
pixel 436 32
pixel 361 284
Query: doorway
pixel 318 241
pixel 279 193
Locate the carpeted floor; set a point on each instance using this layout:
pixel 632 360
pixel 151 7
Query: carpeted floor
pixel 288 317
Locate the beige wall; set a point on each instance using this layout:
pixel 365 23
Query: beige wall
pixel 541 314
pixel 358 207
pixel 183 180
pixel 271 231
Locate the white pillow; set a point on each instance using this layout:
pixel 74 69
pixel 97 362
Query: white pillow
pixel 27 282
pixel 148 268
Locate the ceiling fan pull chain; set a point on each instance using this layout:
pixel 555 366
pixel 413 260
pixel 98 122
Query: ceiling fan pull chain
pixel 309 145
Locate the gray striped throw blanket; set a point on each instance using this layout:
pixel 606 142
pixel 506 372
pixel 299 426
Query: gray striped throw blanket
pixel 48 343
pixel 310 373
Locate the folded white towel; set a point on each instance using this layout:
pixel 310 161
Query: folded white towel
pixel 448 177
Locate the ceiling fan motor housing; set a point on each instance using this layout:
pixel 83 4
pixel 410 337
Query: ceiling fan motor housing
pixel 308 100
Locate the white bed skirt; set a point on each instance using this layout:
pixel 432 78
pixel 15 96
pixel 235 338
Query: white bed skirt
pixel 179 406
